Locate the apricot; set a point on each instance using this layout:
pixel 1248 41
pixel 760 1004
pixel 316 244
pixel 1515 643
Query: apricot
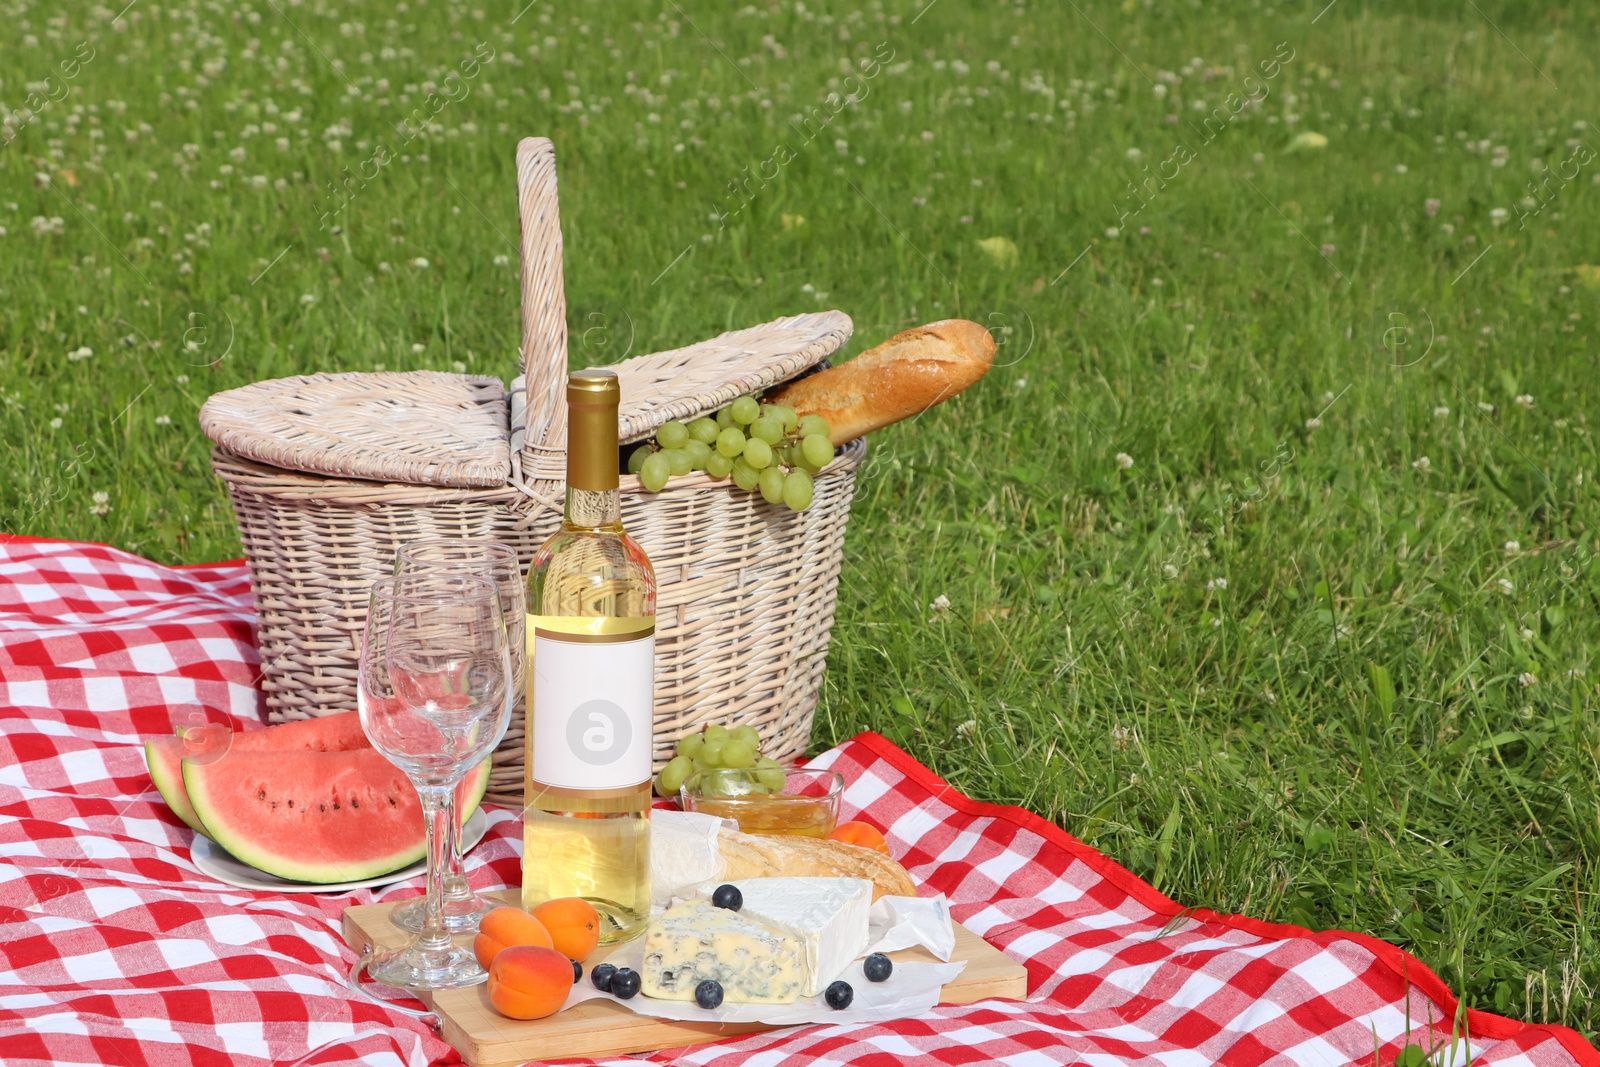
pixel 573 924
pixel 860 834
pixel 529 981
pixel 504 927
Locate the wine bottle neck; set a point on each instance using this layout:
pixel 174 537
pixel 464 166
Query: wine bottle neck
pixel 589 509
pixel 593 502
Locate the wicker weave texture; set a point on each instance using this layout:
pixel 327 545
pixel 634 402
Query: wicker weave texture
pixel 423 427
pixel 745 590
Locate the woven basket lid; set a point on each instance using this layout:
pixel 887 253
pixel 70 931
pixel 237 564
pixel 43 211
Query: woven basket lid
pixel 418 427
pixel 677 384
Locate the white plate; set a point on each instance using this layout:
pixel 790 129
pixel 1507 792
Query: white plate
pixel 214 860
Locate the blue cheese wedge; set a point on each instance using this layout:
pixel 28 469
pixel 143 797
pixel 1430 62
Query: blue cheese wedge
pixel 827 915
pixel 692 942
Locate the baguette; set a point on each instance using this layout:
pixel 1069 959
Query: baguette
pixel 907 374
pixel 759 856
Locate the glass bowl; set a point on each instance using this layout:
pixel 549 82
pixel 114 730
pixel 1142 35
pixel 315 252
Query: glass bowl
pixel 807 807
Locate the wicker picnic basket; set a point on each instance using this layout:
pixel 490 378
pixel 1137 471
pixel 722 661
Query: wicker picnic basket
pixel 329 474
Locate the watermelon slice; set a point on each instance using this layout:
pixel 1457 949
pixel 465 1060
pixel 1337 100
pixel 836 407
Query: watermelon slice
pixel 316 817
pixel 164 755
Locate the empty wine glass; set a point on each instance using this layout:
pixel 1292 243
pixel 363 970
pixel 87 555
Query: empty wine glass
pixel 434 675
pixel 463 909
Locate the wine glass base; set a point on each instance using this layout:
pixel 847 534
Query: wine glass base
pixel 370 991
pixel 461 914
pixel 422 970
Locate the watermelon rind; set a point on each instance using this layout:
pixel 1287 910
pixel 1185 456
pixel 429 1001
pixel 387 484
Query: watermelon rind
pixel 473 788
pixel 164 757
pixel 316 817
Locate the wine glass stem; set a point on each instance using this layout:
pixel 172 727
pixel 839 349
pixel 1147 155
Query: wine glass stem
pixel 452 841
pixel 438 812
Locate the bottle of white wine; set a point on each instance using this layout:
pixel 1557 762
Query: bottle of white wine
pixel 590 678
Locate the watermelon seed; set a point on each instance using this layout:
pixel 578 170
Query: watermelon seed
pixel 354 803
pixel 335 805
pixel 291 803
pixel 261 794
pixel 322 807
pixel 392 804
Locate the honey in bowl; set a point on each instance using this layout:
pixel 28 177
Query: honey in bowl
pixel 807 807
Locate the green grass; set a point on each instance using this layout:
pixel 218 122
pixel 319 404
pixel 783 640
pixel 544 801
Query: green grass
pixel 1340 736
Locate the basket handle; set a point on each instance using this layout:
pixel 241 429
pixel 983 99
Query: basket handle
pixel 544 301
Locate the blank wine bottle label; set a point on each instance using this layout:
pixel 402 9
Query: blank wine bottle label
pixel 591 700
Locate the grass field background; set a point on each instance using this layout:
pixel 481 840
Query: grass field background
pixel 1264 560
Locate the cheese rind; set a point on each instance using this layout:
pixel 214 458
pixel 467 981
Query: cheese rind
pixel 683 855
pixel 829 916
pixel 693 941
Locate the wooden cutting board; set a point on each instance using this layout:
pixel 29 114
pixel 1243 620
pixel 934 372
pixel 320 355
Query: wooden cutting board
pixel 485 1038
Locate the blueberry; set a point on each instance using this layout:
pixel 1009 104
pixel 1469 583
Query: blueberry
pixel 708 994
pixel 577 972
pixel 878 967
pixel 625 983
pixel 601 976
pixel 839 995
pixel 727 896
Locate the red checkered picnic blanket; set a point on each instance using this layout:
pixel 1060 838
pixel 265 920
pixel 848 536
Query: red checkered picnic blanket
pixel 117 950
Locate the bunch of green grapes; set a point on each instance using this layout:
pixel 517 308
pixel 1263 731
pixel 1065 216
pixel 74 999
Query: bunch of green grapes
pixel 719 748
pixel 760 446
